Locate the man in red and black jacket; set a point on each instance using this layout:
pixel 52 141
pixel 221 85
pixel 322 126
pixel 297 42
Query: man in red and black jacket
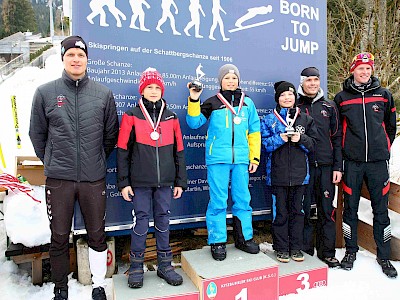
pixel 368 117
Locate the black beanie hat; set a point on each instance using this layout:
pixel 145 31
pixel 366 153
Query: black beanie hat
pixel 307 72
pixel 283 86
pixel 74 41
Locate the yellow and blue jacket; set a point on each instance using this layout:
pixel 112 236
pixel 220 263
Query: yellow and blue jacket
pixel 227 142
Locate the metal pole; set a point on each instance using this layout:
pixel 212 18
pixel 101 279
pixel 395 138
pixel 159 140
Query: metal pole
pixel 50 3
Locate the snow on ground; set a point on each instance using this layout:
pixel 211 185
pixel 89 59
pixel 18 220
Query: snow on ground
pixel 366 281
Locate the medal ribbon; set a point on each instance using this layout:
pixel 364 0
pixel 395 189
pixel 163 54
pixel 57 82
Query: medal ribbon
pixel 228 105
pixel 147 115
pixel 288 122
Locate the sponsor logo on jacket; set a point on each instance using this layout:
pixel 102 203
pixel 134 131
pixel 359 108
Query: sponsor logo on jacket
pixel 61 100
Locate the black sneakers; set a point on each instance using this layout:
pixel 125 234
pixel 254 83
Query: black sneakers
pixel 348 261
pixel 60 294
pixel 282 256
pixel 332 262
pixel 218 251
pixel 387 267
pixel 248 246
pixel 99 293
pixel 296 255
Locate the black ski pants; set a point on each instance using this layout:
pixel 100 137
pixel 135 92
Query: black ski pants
pixel 60 198
pixel 321 191
pixel 376 177
pixel 288 217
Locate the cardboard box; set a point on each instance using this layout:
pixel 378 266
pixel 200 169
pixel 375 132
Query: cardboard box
pixel 31 168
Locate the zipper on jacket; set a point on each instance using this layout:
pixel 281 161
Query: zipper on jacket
pixel 157 154
pixel 365 127
pixel 290 165
pixel 233 134
pixel 365 117
pixel 78 134
pixel 211 146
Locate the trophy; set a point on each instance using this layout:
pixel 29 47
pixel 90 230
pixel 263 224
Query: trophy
pixel 196 84
pixel 290 131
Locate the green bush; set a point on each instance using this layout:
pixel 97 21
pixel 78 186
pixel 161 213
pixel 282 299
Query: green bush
pixel 32 56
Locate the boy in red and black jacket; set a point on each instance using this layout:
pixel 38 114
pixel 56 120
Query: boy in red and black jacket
pixel 151 161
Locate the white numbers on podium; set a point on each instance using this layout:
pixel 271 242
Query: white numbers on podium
pixel 304 278
pixel 242 295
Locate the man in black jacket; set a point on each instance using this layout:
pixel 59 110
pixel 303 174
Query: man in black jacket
pixel 74 128
pixel 368 116
pixel 325 167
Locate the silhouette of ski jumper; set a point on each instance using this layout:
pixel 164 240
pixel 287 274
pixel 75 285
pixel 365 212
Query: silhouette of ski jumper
pixel 199 72
pixel 251 13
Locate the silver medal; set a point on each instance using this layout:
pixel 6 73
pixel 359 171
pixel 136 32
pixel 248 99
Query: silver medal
pixel 237 120
pixel 154 135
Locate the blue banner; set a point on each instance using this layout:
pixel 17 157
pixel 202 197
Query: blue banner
pixel 184 40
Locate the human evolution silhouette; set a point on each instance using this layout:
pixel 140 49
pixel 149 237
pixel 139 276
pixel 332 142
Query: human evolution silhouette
pixel 101 8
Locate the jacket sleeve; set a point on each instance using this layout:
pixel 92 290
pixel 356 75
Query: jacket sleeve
pixel 126 140
pixel 180 164
pixel 390 118
pixel 336 137
pixel 307 140
pixel 195 118
pixel 254 136
pixel 38 128
pixel 110 134
pixel 270 139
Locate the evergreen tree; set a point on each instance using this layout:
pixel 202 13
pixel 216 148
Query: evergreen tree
pixel 18 15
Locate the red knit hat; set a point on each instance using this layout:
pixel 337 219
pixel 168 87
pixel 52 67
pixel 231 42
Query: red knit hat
pixel 362 58
pixel 150 76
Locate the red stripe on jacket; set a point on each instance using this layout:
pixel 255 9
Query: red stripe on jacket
pixel 366 100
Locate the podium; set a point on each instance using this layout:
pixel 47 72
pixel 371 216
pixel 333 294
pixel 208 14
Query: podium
pixel 296 277
pixel 155 288
pixel 240 276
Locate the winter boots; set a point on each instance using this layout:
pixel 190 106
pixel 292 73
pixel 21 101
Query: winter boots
pixel 248 246
pixel 218 251
pixel 348 260
pixel 165 270
pixel 135 279
pixel 387 267
pixel 60 294
pixel 99 293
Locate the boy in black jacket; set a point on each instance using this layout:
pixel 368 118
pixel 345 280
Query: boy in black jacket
pixel 288 137
pixel 151 162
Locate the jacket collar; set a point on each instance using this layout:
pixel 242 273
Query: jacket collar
pixel 75 83
pixel 307 99
pixel 350 86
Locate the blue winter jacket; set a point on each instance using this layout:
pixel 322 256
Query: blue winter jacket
pixel 227 142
